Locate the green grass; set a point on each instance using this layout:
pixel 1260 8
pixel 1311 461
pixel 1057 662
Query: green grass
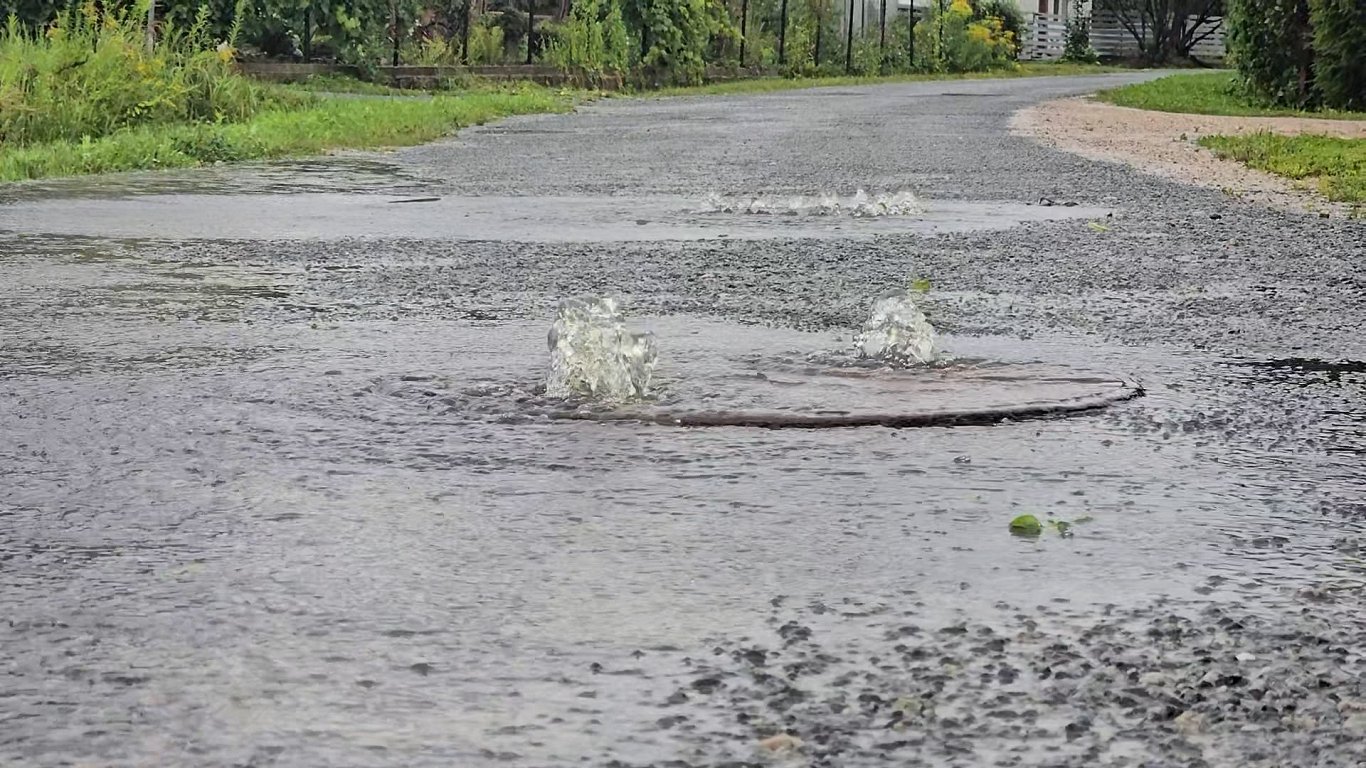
pixel 1336 166
pixel 1204 93
pixel 314 127
pixel 767 84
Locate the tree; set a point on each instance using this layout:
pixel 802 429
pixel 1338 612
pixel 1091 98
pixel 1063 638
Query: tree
pixel 1165 29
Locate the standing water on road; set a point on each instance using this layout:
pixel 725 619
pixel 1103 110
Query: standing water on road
pixel 280 487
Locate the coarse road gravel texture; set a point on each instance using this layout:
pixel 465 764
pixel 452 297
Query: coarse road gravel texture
pixel 288 496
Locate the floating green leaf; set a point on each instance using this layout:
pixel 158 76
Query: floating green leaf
pixel 920 285
pixel 1026 525
pixel 1096 226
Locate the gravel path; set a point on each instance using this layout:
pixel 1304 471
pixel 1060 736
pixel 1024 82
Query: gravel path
pixel 1164 144
pixel 282 502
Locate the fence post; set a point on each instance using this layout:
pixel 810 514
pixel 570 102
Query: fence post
pixel 882 37
pixel 395 20
pixel 910 39
pixel 308 32
pixel 530 27
pixel 465 8
pixel 782 35
pixel 820 24
pixel 849 41
pixel 744 37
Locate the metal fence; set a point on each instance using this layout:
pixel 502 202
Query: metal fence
pixel 1046 37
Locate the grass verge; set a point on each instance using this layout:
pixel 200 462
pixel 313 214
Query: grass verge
pixel 768 84
pixel 303 122
pixel 1204 93
pixel 316 126
pixel 1337 166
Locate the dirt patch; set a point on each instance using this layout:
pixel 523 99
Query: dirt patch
pixel 1164 144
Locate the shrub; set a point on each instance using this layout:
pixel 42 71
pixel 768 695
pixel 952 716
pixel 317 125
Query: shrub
pixel 1012 19
pixel 1269 43
pixel 91 75
pixel 1340 52
pixel 952 41
pixel 486 44
pixel 1078 48
pixel 593 40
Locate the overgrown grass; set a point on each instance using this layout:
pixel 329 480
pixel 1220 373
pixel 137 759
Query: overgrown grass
pixel 1336 166
pixel 767 84
pixel 90 75
pixel 313 128
pixel 89 97
pixel 1205 93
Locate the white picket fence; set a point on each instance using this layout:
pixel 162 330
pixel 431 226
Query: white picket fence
pixel 1046 37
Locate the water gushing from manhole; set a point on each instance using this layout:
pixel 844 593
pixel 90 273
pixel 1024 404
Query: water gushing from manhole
pixel 604 370
pixel 594 356
pixel 860 205
pixel 896 332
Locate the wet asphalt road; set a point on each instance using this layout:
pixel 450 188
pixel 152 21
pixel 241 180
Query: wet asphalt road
pixel 292 500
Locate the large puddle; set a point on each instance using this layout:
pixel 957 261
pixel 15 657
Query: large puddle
pixel 276 532
pixel 324 216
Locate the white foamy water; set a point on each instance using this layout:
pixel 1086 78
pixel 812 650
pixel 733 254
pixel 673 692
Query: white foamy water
pixel 896 331
pixel 594 356
pixel 859 205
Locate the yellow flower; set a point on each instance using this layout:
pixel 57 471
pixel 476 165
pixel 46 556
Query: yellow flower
pixel 226 52
pixel 979 33
pixel 961 7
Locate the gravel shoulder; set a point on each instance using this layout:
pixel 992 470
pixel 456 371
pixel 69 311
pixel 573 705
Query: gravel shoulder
pixel 1164 144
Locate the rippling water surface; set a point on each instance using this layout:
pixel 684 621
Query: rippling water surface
pixel 230 538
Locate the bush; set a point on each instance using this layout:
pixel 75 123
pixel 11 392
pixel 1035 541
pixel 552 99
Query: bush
pixel 1340 52
pixel 1012 19
pixel 91 75
pixel 486 44
pixel 677 35
pixel 952 41
pixel 1269 43
pixel 593 40
pixel 1078 47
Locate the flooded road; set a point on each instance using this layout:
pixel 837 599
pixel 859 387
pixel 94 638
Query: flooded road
pixel 279 487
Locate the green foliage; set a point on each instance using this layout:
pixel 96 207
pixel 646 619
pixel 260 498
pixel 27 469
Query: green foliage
pixel 1078 48
pixel 1338 165
pixel 90 75
pixel 593 41
pixel 1269 43
pixel 1012 18
pixel 486 44
pixel 677 35
pixel 951 39
pixel 1340 52
pixel 1207 93
pixel 305 128
pixel 430 52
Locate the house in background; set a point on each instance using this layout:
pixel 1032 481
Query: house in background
pixel 1045 27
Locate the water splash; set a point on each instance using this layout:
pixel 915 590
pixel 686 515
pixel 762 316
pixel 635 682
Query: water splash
pixel 594 356
pixel 896 331
pixel 859 206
